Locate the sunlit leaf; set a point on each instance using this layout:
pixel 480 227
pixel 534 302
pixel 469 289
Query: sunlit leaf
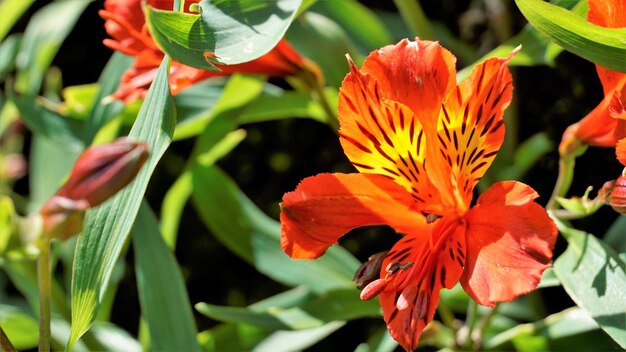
pixel 11 11
pixel 20 327
pixel 107 226
pixel 615 237
pixel 103 109
pixel 603 46
pixel 225 32
pixel 164 300
pixel 594 277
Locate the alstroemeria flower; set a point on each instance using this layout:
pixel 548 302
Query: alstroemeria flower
pixel 605 124
pixel 125 22
pixel 421 143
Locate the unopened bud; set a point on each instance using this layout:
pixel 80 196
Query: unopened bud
pixel 617 197
pixel 369 271
pixel 103 170
pixel 63 217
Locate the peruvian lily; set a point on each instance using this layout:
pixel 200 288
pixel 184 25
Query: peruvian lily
pixel 421 143
pixel 125 22
pixel 605 124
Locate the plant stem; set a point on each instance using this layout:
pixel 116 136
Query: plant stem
pixel 470 322
pixel 43 280
pixel 446 315
pixel 414 17
pixel 563 181
pixel 5 343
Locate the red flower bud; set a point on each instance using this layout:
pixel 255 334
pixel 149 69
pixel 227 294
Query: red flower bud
pixel 63 217
pixel 103 170
pixel 617 197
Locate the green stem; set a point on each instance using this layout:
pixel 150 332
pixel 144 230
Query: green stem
pixel 446 315
pixel 563 181
pixel 414 17
pixel 5 343
pixel 43 280
pixel 470 323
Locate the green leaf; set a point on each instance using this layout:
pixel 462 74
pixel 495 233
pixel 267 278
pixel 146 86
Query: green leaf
pixel 332 306
pixel 358 21
pixel 614 237
pixel 569 330
pixel 11 11
pixel 8 219
pixel 164 300
pixel 226 32
pixel 282 105
pixel 107 226
pixel 313 28
pixel 594 277
pixel 254 237
pixel 42 39
pixel 8 54
pixel 102 109
pixel 21 328
pixel 49 164
pixel 602 46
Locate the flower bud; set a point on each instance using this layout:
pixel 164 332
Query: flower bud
pixel 62 217
pixel 617 197
pixel 103 170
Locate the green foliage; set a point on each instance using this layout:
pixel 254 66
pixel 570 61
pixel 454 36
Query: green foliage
pixel 603 46
pixel 594 277
pixel 197 39
pixel 107 226
pixel 197 172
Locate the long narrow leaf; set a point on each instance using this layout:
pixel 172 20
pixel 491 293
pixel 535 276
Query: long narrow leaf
pixel 603 46
pixel 164 301
pixel 107 226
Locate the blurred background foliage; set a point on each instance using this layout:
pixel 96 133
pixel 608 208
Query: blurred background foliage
pixel 268 158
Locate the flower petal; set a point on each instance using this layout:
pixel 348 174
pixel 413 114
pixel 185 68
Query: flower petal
pixel 326 206
pixel 382 136
pixel 417 74
pixel 599 128
pixel 470 131
pixel 509 244
pixel 427 262
pixel 620 151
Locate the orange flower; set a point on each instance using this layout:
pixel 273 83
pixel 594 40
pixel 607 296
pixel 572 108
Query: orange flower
pixel 605 124
pixel 125 22
pixel 421 144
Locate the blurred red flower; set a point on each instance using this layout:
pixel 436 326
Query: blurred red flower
pixel 126 24
pixel 421 143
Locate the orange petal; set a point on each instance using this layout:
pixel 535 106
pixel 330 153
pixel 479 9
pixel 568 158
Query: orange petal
pixel 326 206
pixel 382 136
pixel 509 244
pixel 599 127
pixel 417 74
pixel 410 299
pixel 470 131
pixel 620 151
